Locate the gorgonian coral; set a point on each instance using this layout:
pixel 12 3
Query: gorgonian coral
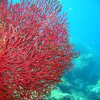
pixel 34 48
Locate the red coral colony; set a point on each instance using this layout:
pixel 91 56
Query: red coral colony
pixel 34 48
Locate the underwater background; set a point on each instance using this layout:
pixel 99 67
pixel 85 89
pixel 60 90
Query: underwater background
pixel 83 81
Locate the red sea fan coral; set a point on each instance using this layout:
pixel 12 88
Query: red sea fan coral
pixel 34 48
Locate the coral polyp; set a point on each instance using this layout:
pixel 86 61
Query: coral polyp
pixel 34 48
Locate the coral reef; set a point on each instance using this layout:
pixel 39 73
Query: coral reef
pixel 34 48
pixel 94 91
pixel 81 83
pixel 57 94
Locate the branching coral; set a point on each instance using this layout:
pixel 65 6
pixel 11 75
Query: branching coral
pixel 34 48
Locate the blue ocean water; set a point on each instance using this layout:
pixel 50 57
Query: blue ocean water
pixel 84 19
pixel 84 27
